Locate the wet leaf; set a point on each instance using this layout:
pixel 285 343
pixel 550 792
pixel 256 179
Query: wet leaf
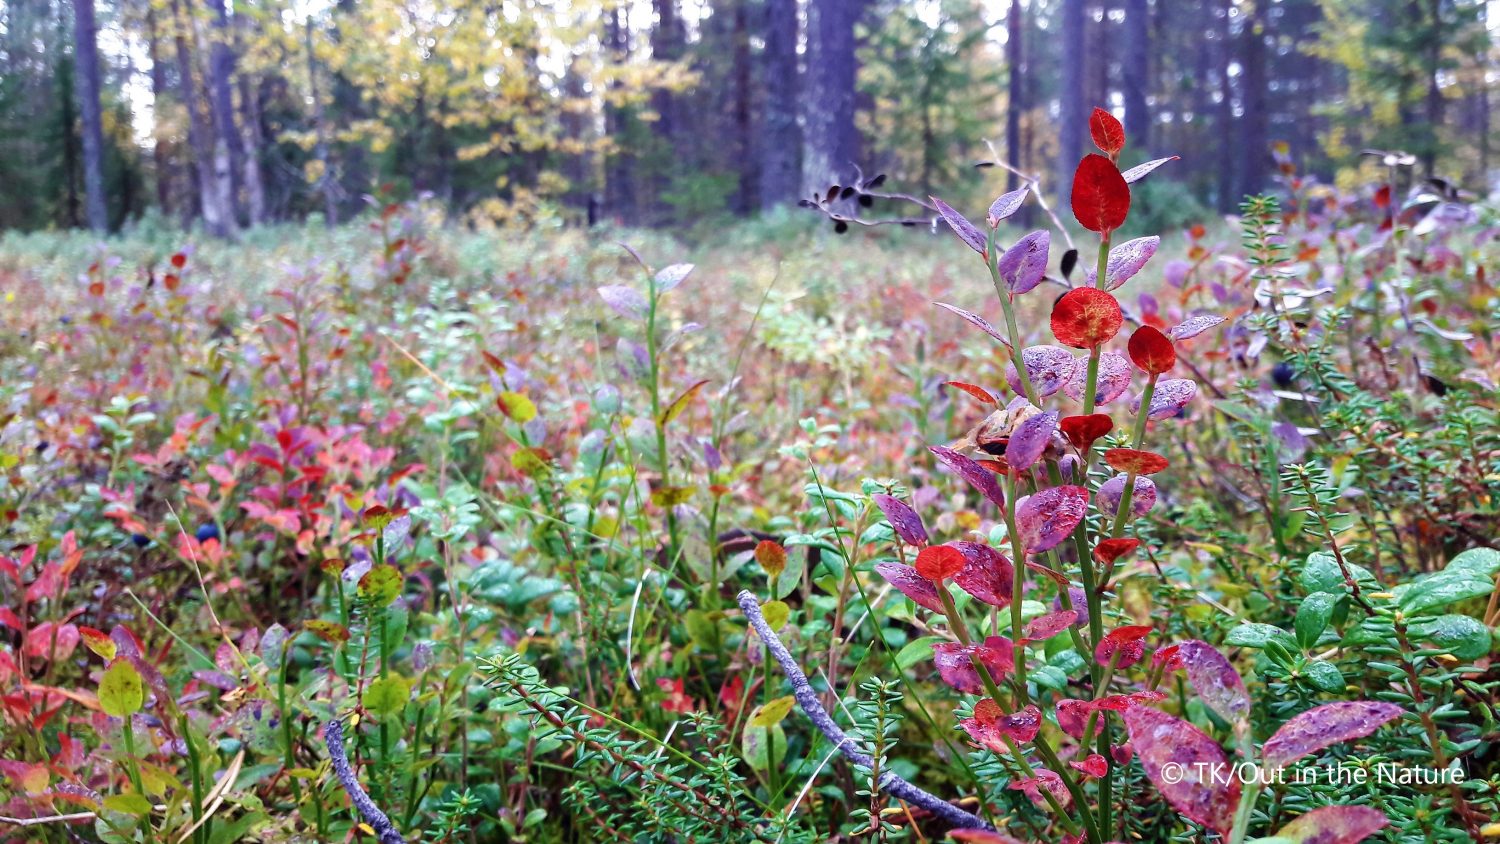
pixel 1046 518
pixel 912 585
pixel 1128 642
pixel 1170 397
pixel 1114 377
pixel 955 662
pixel 1134 460
pixel 1095 765
pixel 1109 550
pixel 977 476
pixel 1325 726
pixel 381 585
pixel 1049 368
pixel 1180 760
pixel 1334 825
pixel 1142 496
pixel 904 520
pixel 1083 431
pixel 987 574
pixel 1125 261
pixel 960 225
pixel 1023 266
pixel 1030 440
pixel 1044 627
pixel 940 562
pixel 1216 682
pixel 1152 350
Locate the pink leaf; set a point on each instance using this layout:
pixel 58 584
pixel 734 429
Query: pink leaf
pixel 1049 368
pixel 1216 681
pixel 912 585
pixel 1029 440
pixel 1005 205
pixel 955 662
pixel 904 520
pixel 1024 265
pixel 1171 396
pixel 1182 762
pixel 1334 825
pixel 1095 766
pixel 1124 641
pixel 1021 725
pixel 1046 518
pixel 1325 726
pixel 987 576
pixel 978 477
pixel 1142 496
pixel 977 321
pixel 625 301
pixel 1045 627
pixel 1044 779
pixel 1193 326
pixel 1115 373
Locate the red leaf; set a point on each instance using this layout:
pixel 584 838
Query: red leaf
pixel 1151 350
pixel 1181 761
pixel 912 585
pixel 1044 779
pixel 1095 766
pixel 1334 825
pixel 1109 550
pixel 179 260
pixel 1021 725
pixel 904 520
pixel 940 562
pixel 1106 131
pixel 1085 317
pixel 1045 519
pixel 1135 460
pixel 1083 431
pixel 1324 726
pixel 1101 199
pixel 955 662
pixel 1125 641
pixel 1216 681
pixel 979 393
pixel 1044 627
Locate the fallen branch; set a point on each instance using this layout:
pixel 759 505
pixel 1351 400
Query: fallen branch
pixel 385 831
pixel 889 782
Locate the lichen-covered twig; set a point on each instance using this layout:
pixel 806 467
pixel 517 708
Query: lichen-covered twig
pixel 889 782
pixel 385 831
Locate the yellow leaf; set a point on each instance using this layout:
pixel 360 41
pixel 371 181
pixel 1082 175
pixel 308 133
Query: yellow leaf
pixel 772 712
pixel 680 403
pixel 776 613
pixel 517 406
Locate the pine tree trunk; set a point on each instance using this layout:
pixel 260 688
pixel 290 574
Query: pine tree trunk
pixel 831 143
pixel 86 87
pixel 213 192
pixel 1256 148
pixel 619 174
pixel 781 137
pixel 221 70
pixel 1074 112
pixel 1137 72
pixel 320 148
pixel 1016 90
pixel 159 159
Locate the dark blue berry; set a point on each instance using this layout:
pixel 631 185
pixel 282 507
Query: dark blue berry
pixel 141 540
pixel 207 531
pixel 1283 374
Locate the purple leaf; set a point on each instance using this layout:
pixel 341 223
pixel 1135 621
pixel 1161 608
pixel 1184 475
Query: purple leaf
pixel 1334 825
pixel 955 663
pixel 988 575
pixel 1021 725
pixel 977 321
pixel 1171 396
pixel 1142 497
pixel 1005 205
pixel 1125 261
pixel 670 277
pixel 978 477
pixel 1046 518
pixel 1029 440
pixel 1325 726
pixel 960 225
pixel 625 301
pixel 1138 172
pixel 904 520
pixel 1115 373
pixel 1216 681
pixel 912 585
pixel 1193 326
pixel 1181 761
pixel 1049 368
pixel 1024 265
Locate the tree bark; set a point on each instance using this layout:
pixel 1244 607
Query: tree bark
pixel 212 189
pixel 221 70
pixel 781 139
pixel 320 149
pixel 619 174
pixel 159 159
pixel 1137 72
pixel 1252 132
pixel 86 87
pixel 831 142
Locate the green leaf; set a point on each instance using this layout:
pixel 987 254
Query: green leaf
pixel 776 613
pixel 1324 676
pixel 1464 637
pixel 381 585
pixel 1313 616
pixel 120 692
pixel 1481 562
pixel 1322 574
pixel 1255 635
pixel 759 745
pixel 129 804
pixel 1441 588
pixel 917 650
pixel 387 696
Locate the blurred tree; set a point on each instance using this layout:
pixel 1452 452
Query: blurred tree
pixel 86 57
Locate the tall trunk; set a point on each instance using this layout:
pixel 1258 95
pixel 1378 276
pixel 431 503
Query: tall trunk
pixel 1256 148
pixel 619 174
pixel 1073 111
pixel 743 111
pixel 1224 127
pixel 667 42
pixel 213 191
pixel 1434 59
pixel 348 106
pixel 1137 72
pixel 831 142
pixel 781 138
pixel 221 70
pixel 1099 57
pixel 86 87
pixel 159 160
pixel 1016 91
pixel 254 179
pixel 320 149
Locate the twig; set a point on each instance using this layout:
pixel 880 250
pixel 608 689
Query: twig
pixel 76 816
pixel 889 782
pixel 385 831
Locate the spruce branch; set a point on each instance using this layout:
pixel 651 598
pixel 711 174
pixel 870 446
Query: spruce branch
pixel 385 830
pixel 889 782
